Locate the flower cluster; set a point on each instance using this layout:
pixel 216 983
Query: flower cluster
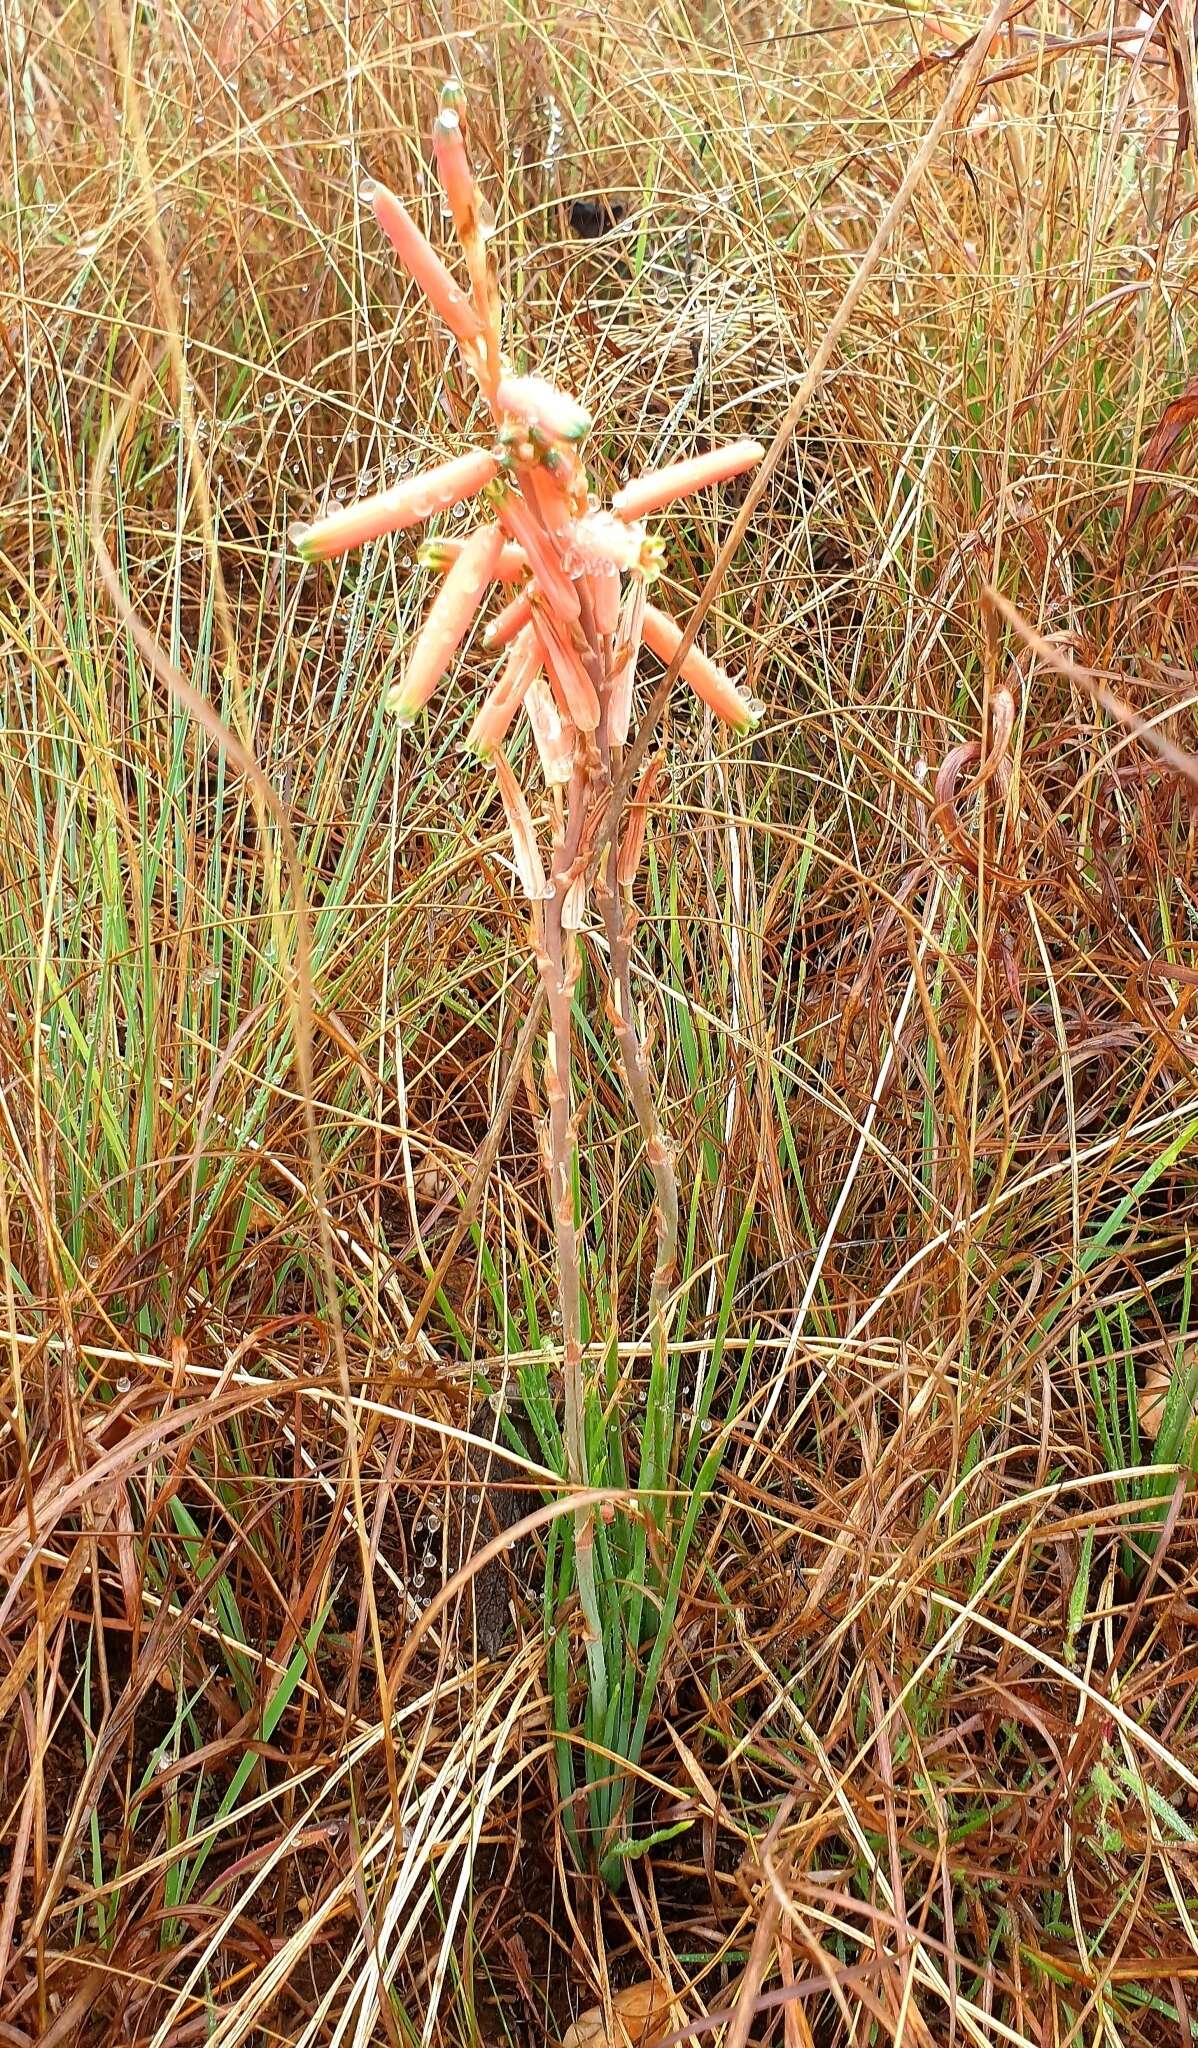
pixel 574 576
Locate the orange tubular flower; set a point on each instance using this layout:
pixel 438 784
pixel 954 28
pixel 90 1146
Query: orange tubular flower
pixel 603 588
pixel 717 690
pixel 450 618
pixel 680 479
pixel 405 504
pixel 546 566
pixel 572 685
pixel 524 838
pixel 422 263
pixel 457 182
pixel 501 703
pixel 510 621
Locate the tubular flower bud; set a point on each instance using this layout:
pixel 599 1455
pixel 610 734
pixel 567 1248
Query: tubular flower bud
pixel 502 702
pixel 405 504
pixel 422 262
pixel 681 479
pixel 450 618
pixel 540 404
pixel 717 690
pixel 441 554
pixel 510 621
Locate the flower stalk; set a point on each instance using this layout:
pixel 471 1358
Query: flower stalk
pixel 575 616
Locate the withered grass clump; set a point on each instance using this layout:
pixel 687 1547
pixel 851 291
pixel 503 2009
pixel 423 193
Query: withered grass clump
pixel 895 1597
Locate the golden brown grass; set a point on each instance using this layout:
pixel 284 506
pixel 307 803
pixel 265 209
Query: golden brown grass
pixel 917 961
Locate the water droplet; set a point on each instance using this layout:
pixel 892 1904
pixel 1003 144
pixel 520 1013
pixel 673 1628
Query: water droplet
pixel 88 244
pixel 367 190
pixel 124 1383
pixel 433 1520
pixel 485 214
pixel 755 708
